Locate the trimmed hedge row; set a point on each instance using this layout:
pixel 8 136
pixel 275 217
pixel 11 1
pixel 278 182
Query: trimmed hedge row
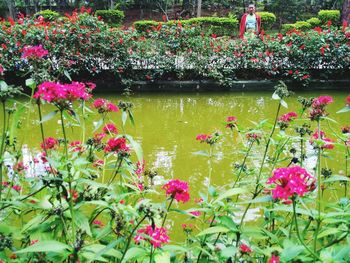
pixel 111 17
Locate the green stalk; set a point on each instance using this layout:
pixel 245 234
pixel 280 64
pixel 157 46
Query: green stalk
pixel 83 121
pixel 41 127
pixel 244 161
pixel 151 255
pixel 130 236
pixel 298 233
pixel 2 144
pixel 167 211
pixel 70 202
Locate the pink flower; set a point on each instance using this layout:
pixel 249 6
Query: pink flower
pixel 140 167
pixel 195 213
pixel 49 144
pixel 97 223
pixel 274 259
pixel 33 52
pixel 328 143
pixel 33 242
pixel 116 145
pixel 245 249
pixel 202 137
pixel 62 93
pixel 17 188
pixel 98 163
pixel 110 128
pixel 290 181
pixel 231 122
pixel 208 138
pixel 198 200
pixel 76 146
pixel 348 100
pixel 178 190
pixel 104 106
pixel 322 101
pixel 157 236
pixel 252 137
pixel 1 70
pixel 288 117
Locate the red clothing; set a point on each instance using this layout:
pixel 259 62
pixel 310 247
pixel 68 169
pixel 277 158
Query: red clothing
pixel 243 22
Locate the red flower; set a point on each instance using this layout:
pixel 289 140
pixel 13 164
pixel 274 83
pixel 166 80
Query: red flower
pixel 327 142
pixel 116 145
pixel 290 72
pixel 245 249
pixel 274 259
pixel 49 144
pixel 110 128
pixel 157 236
pixel 34 52
pixel 195 213
pixel 348 100
pixel 307 76
pixel 253 137
pixel 322 50
pixel 1 70
pixel 17 188
pixel 4 46
pixel 345 25
pixel 34 242
pixel 178 190
pixel 288 117
pixel 290 181
pixel 329 23
pixel 231 122
pixel 97 223
pixel 77 146
pixel 104 106
pixel 98 163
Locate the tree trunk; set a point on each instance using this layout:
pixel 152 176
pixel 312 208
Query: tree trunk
pixel 112 4
pixel 11 7
pixel 199 8
pixel 27 4
pixel 346 11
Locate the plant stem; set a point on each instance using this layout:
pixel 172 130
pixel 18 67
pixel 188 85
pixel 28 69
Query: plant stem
pixel 41 126
pixel 243 164
pixel 298 233
pixel 319 190
pixel 2 144
pixel 130 236
pixel 116 171
pixel 151 255
pixel 167 211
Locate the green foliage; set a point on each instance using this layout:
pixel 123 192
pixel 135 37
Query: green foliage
pixel 300 25
pixel 329 15
pixel 314 21
pixel 267 19
pixel 48 15
pixel 111 17
pixel 144 25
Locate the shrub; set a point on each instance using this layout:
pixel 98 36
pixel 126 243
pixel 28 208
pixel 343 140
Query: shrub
pixel 314 21
pixel 111 17
pixel 48 15
pixel 300 25
pixel 144 25
pixel 329 15
pixel 267 19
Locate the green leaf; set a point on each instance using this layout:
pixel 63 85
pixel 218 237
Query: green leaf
pixel 262 199
pixel 229 252
pixel 228 222
pixel 162 258
pixel 284 104
pixel 97 125
pixel 289 253
pixel 329 231
pixel 95 248
pixel 124 117
pixel 136 147
pixel 173 248
pixel 214 230
pixel 67 75
pixel 49 116
pixel 131 116
pixel 229 193
pixel 45 246
pixel 31 83
pixel 346 109
pixel 343 253
pixel 202 153
pixel 133 253
pixel 336 178
pixel 82 222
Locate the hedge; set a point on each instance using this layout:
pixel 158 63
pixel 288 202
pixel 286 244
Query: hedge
pixel 267 19
pixel 314 21
pixel 329 15
pixel 111 17
pixel 300 25
pixel 144 25
pixel 48 15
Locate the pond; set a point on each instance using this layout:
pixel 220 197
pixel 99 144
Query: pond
pixel 167 125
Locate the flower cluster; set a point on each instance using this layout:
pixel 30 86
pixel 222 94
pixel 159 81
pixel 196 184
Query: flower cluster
pixel 318 107
pixel 61 94
pixel 285 119
pixel 117 145
pixel 157 236
pixel 348 101
pixel 110 128
pixel 231 122
pixel 320 135
pixel 34 52
pixel 178 190
pixel 291 181
pixel 49 144
pixel 252 137
pixel 104 106
pixel 210 139
pixel 245 249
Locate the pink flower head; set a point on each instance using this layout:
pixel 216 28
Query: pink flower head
pixel 140 167
pixel 195 213
pixel 322 101
pixel 245 249
pixel 187 227
pixel 62 93
pixel 110 128
pixel 348 100
pixel 208 138
pixel 274 259
pixel 116 145
pixel 157 236
pixel 285 119
pixel 98 163
pixel 290 181
pixel 178 190
pixel 34 52
pixel 97 223
pixel 76 146
pixel 252 137
pixel 49 144
pixel 1 70
pixel 202 137
pixel 327 142
pixel 104 106
pixel 231 122
pixel 17 188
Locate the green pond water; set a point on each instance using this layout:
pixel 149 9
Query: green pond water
pixel 167 125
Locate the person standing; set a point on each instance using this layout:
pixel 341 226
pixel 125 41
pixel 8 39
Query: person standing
pixel 250 23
